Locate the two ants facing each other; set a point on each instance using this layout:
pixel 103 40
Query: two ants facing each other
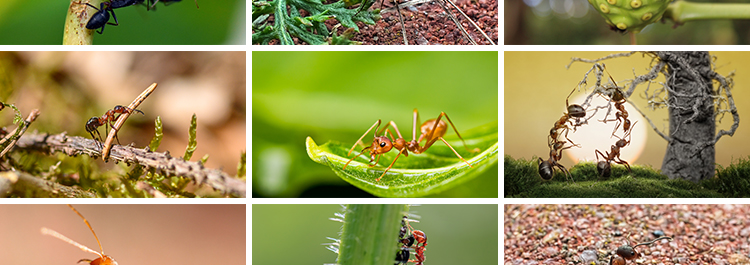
pixel 575 113
pixel 101 17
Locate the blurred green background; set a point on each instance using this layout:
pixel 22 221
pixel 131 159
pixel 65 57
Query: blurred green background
pixel 295 234
pixel 576 22
pixel 536 84
pixel 337 96
pixel 41 22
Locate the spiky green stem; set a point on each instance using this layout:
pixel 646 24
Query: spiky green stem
pixel 370 234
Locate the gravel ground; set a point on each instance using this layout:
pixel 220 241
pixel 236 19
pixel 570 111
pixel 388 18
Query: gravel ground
pixel 580 234
pixel 425 24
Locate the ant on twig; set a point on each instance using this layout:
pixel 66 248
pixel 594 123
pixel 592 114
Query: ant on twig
pixel 431 131
pixel 102 260
pixel 604 167
pixel 108 118
pixel 101 17
pixel 618 97
pixel 628 253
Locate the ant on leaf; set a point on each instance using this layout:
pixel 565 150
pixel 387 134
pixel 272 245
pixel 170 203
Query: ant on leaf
pixel 431 131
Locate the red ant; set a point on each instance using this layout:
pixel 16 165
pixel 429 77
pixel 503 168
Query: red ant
pixel 546 168
pixel 416 235
pixel 605 168
pixel 108 118
pixel 628 253
pixel 431 130
pixel 102 260
pixel 618 97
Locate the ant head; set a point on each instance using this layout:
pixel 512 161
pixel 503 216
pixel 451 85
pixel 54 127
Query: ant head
pixel 92 124
pixel 381 145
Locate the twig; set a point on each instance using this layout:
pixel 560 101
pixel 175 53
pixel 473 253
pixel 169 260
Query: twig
pixel 26 185
pixel 458 24
pixel 471 21
pixel 162 163
pixel 121 120
pixel 20 130
pixel 75 32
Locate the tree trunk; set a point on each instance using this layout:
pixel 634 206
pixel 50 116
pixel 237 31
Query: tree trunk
pixel 690 151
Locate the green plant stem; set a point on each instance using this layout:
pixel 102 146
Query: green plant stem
pixel 75 32
pixel 683 11
pixel 370 233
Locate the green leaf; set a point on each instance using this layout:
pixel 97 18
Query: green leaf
pixel 192 139
pixel 436 170
pixel 158 135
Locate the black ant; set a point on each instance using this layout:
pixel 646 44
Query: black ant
pixel 108 118
pixel 431 130
pixel 101 17
pixel 628 253
pixel 614 155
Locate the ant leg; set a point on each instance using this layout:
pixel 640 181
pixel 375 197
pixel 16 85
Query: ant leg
pixel 389 167
pixel 454 151
pixel 113 16
pixel 98 136
pixel 360 153
pixel 376 124
pixel 415 121
pixel 391 123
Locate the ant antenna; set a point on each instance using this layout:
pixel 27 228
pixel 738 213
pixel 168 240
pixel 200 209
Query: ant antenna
pixel 89 225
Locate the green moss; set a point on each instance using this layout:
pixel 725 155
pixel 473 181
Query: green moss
pixel 522 180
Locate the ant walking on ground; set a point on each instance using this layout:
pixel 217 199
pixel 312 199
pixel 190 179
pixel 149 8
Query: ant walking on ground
pixel 628 253
pixel 431 131
pixel 102 260
pixel 108 118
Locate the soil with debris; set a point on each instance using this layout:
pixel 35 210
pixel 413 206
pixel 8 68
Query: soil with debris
pixel 426 24
pixel 590 234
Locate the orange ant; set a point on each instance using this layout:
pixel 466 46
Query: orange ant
pixel 605 168
pixel 108 118
pixel 628 253
pixel 431 130
pixel 102 260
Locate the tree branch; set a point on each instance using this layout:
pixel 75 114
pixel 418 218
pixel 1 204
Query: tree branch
pixel 163 163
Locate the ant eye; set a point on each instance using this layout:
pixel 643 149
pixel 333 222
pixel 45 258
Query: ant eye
pixel 382 144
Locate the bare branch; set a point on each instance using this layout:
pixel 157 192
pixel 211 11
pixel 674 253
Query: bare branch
pixel 163 163
pixel 26 185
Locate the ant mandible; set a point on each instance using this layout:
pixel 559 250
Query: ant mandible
pixel 108 118
pixel 431 130
pixel 605 168
pixel 102 260
pixel 629 253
